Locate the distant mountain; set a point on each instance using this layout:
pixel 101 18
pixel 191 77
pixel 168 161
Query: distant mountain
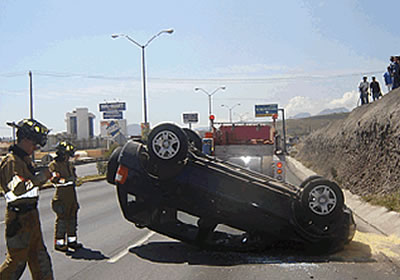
pixel 333 111
pixel 133 129
pixel 301 115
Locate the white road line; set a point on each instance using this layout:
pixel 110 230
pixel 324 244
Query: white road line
pixel 126 251
pixel 2 222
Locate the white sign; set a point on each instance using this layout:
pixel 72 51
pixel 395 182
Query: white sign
pixel 111 128
pixel 190 117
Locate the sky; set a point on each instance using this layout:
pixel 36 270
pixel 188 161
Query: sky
pixel 304 55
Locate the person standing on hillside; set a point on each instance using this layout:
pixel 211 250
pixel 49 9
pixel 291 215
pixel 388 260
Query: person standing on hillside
pixel 388 79
pixel 20 183
pixel 65 202
pixel 396 72
pixel 363 88
pixel 375 89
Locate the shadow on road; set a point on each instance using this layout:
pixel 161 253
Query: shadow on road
pixel 86 254
pixel 176 252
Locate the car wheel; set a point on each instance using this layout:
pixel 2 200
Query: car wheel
pixel 322 198
pixel 112 165
pixel 309 179
pixel 167 143
pixel 193 138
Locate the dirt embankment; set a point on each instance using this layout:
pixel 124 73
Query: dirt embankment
pixel 361 152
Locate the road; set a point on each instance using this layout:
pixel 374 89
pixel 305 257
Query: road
pixel 115 249
pixel 86 169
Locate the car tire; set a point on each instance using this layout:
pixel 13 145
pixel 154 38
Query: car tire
pixel 322 198
pixel 167 144
pixel 309 179
pixel 112 165
pixel 194 138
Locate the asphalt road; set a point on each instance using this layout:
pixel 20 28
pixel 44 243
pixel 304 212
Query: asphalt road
pixel 86 169
pixel 115 249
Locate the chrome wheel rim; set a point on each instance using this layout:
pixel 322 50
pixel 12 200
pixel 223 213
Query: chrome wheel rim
pixel 166 144
pixel 322 200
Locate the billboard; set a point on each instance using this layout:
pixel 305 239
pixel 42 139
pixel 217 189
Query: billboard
pixel 266 110
pixel 112 106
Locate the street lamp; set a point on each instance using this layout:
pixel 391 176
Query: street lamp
pixel 242 117
pixel 230 110
pixel 209 98
pixel 116 36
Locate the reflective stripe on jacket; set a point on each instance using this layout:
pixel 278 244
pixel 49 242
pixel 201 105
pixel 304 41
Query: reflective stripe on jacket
pixel 11 197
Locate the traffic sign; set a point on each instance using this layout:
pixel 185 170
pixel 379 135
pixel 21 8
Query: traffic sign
pixel 266 110
pixel 190 117
pixel 112 115
pixel 113 128
pixel 112 106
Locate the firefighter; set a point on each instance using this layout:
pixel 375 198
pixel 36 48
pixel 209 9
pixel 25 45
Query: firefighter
pixel 20 183
pixel 65 202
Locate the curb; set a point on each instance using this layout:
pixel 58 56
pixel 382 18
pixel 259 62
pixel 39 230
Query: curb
pixel 386 222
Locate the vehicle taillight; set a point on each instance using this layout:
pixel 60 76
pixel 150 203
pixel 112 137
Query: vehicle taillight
pixel 279 171
pixel 122 174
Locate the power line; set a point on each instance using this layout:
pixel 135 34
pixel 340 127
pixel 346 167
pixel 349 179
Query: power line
pixel 308 77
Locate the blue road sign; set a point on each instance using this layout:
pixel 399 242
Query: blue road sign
pixel 266 110
pixel 112 115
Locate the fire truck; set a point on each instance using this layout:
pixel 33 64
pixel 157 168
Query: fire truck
pixel 253 145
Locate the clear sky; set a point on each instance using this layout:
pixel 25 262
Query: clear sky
pixel 305 55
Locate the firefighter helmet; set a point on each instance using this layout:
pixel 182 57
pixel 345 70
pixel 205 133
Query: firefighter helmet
pixel 31 129
pixel 65 148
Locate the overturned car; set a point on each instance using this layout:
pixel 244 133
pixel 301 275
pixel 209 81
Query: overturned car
pixel 159 180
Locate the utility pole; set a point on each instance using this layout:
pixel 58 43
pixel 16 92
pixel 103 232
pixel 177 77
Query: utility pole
pixel 284 130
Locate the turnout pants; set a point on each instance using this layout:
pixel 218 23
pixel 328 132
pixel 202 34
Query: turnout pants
pixel 66 221
pixel 25 245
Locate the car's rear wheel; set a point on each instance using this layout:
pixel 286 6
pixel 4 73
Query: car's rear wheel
pixel 322 198
pixel 167 143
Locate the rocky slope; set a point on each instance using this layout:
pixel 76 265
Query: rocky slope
pixel 361 152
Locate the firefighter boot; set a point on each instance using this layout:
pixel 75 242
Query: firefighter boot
pixel 59 245
pixel 73 243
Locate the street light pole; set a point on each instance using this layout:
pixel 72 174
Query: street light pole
pixel 209 99
pixel 30 94
pixel 230 110
pixel 115 36
pixel 144 87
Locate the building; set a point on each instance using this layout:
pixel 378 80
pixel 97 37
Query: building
pixel 80 124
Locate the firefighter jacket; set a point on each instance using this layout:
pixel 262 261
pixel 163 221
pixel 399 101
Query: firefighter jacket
pixel 64 180
pixel 18 179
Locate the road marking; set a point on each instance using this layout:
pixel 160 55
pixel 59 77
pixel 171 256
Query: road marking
pixel 2 222
pixel 126 251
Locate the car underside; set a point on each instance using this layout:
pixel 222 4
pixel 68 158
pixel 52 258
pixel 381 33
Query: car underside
pixel 168 175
